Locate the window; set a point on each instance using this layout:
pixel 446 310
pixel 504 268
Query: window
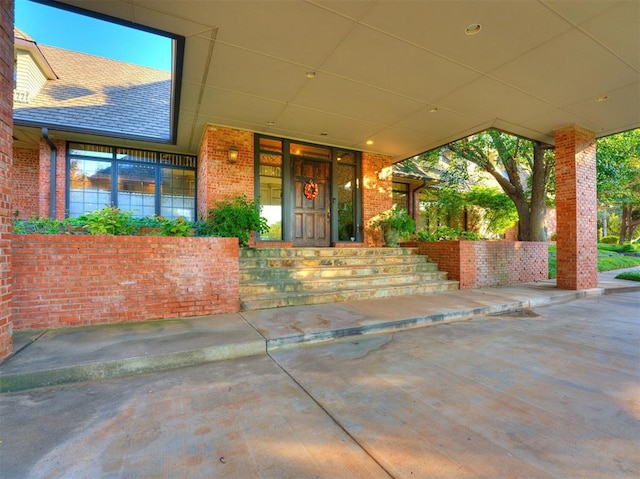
pixel 401 195
pixel 271 186
pixel 143 182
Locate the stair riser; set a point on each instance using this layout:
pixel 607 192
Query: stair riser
pixel 328 262
pixel 268 274
pixel 333 285
pixel 303 300
pixel 323 252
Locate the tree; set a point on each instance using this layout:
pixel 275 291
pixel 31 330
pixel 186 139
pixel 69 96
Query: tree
pixel 521 167
pixel 618 178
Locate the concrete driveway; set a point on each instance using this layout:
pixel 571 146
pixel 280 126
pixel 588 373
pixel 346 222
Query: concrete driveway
pixel 553 392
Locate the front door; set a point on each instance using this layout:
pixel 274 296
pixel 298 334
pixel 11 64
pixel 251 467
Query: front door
pixel 312 200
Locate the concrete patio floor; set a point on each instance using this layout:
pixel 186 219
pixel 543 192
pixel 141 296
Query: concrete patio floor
pixel 548 391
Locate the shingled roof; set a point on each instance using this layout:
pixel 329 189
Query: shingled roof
pixel 101 96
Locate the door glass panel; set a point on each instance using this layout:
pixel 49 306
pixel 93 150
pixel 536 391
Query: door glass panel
pixel 346 179
pixel 89 185
pixel 137 189
pixel 271 194
pixel 310 151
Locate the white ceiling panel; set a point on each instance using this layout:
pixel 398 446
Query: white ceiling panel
pixel 506 102
pixel 348 98
pixel 278 80
pixel 509 28
pixel 408 70
pixel 572 68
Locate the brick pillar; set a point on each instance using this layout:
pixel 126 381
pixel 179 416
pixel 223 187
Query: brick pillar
pixel 217 178
pixel 6 167
pixel 576 208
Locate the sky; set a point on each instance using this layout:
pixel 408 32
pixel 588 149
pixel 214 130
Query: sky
pixel 89 35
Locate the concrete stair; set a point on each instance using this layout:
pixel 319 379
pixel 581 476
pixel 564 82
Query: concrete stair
pixel 279 277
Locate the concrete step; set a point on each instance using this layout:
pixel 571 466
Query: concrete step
pixel 247 253
pixel 382 281
pixel 279 300
pixel 273 273
pixel 277 277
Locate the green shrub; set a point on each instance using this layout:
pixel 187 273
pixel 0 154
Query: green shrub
pixel 107 221
pixel 611 239
pixel 235 218
pixel 445 233
pixel 629 275
pixel 175 227
pixel 37 225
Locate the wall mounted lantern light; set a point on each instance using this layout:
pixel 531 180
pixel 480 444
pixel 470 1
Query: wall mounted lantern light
pixel 233 153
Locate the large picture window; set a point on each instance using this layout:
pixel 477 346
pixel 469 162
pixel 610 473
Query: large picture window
pixel 143 182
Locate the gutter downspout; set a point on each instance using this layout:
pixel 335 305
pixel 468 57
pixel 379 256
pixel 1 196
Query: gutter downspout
pixel 53 168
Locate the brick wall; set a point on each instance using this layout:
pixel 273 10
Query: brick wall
pixel 64 280
pixel 26 168
pixel 217 178
pixel 6 173
pixel 376 193
pixel 576 208
pixel 479 264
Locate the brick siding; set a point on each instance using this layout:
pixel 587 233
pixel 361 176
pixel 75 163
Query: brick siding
pixel 576 209
pixel 376 193
pixel 26 168
pixel 66 280
pixel 479 264
pixel 6 173
pixel 217 178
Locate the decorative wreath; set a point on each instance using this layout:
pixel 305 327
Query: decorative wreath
pixel 310 190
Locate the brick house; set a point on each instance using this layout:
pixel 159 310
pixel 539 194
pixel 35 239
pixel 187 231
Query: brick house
pixel 331 92
pixel 75 92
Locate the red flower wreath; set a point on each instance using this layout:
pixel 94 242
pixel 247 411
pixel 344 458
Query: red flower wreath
pixel 310 190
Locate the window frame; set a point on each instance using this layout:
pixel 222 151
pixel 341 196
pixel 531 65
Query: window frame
pixel 156 159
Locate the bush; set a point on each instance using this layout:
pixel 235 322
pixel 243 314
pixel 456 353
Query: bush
pixel 235 218
pixel 611 239
pixel 444 233
pixel 47 226
pixel 107 221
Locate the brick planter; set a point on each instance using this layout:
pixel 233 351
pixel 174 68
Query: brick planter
pixel 67 280
pixel 477 264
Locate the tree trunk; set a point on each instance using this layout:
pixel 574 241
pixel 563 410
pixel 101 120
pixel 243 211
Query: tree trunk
pixel 538 195
pixel 623 223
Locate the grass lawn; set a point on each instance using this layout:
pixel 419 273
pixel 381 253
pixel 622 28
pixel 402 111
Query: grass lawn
pixel 607 260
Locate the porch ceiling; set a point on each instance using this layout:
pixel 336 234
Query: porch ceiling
pixel 383 66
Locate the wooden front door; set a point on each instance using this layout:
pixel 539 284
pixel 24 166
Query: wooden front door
pixel 311 208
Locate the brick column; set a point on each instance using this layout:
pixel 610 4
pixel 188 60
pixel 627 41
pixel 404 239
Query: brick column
pixel 6 167
pixel 576 208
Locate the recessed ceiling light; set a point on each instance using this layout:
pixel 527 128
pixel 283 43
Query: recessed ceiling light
pixel 432 110
pixel 369 142
pixel 473 29
pixel 323 133
pixel 600 99
pixel 271 123
pixel 310 74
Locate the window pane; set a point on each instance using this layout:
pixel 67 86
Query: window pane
pixel 136 189
pixel 271 194
pixel 401 195
pixel 89 185
pixel 346 211
pixel 178 194
pixel 310 151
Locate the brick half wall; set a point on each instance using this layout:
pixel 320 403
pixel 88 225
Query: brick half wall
pixel 478 264
pixel 66 280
